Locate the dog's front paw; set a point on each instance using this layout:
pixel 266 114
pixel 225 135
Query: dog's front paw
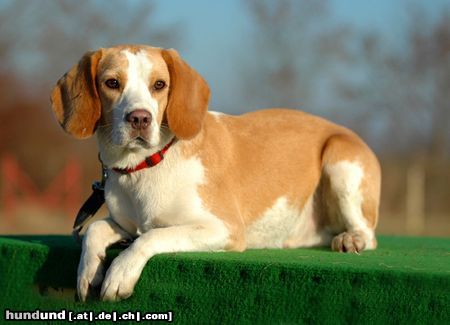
pixel 90 274
pixel 122 276
pixel 350 242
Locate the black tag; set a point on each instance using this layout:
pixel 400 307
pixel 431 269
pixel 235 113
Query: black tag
pixel 89 208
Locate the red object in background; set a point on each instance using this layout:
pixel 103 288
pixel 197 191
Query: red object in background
pixel 64 191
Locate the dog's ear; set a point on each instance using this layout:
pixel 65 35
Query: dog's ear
pixel 188 97
pixel 75 100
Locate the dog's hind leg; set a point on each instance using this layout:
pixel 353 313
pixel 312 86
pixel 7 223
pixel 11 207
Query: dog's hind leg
pixel 350 193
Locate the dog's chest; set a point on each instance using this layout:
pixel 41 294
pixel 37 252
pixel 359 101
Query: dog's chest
pixel 161 196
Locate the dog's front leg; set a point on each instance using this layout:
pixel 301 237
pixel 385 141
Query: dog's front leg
pixel 99 236
pixel 126 268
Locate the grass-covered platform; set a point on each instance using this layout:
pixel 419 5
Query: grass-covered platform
pixel 405 281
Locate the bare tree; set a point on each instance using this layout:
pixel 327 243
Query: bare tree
pixel 430 63
pixel 405 92
pixel 296 49
pixel 43 38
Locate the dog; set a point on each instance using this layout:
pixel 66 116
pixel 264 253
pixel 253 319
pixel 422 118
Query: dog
pixel 185 179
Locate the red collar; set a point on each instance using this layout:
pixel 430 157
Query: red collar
pixel 148 162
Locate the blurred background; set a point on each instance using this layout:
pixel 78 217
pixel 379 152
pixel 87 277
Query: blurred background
pixel 379 67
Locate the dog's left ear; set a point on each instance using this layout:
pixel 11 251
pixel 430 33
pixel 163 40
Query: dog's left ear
pixel 188 97
pixel 75 100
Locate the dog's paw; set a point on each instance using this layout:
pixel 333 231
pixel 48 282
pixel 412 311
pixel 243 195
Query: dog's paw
pixel 349 242
pixel 122 276
pixel 90 274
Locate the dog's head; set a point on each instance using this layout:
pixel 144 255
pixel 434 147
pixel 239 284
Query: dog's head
pixel 130 96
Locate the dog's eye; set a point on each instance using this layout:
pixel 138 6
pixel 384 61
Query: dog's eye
pixel 159 84
pixel 112 83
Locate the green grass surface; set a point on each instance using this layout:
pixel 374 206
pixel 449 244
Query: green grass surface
pixel 406 280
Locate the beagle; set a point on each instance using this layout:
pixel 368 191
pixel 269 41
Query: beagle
pixel 185 179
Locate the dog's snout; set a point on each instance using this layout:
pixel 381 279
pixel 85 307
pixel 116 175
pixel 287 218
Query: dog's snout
pixel 139 119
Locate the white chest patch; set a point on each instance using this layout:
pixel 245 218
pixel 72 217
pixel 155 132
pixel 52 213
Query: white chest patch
pixel 161 196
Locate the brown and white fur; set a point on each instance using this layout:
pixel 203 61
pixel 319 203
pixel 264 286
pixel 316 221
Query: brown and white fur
pixel 274 178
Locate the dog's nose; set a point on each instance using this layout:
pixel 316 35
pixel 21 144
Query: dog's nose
pixel 139 119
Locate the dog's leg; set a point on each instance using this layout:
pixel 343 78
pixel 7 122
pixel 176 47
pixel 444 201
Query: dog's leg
pixel 99 236
pixel 126 268
pixel 351 194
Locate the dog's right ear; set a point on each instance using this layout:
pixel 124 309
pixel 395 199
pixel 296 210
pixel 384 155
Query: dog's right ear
pixel 75 99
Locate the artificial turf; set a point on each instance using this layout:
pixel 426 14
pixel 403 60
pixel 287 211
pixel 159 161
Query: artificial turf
pixel 406 280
